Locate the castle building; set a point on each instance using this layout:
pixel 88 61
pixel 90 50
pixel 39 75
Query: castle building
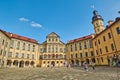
pixel 102 48
pixel 80 50
pixel 106 41
pixel 23 51
pixel 52 51
pixel 4 48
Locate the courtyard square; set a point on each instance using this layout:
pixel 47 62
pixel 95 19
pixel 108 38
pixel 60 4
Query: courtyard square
pixel 62 73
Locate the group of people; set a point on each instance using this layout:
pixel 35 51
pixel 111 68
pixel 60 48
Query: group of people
pixel 85 65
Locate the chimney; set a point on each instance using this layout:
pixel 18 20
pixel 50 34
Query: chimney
pixel 110 22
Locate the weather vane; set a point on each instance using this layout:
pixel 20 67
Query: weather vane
pixel 92 6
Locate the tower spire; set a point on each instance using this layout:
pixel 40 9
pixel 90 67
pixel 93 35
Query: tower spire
pixel 97 22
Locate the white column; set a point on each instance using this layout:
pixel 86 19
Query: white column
pixel 24 64
pixel 11 64
pixel 18 64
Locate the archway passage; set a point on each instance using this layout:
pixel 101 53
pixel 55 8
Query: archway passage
pixel 27 63
pixel 72 62
pixel 21 64
pixel 77 62
pixel 93 60
pixel 15 63
pixel 87 60
pixel 9 62
pixel 82 63
pixel 53 63
pixel 32 63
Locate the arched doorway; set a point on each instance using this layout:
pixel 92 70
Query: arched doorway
pixel 21 64
pixel 72 62
pixel 77 62
pixel 15 63
pixel 32 63
pixel 82 63
pixel 9 62
pixel 27 63
pixel 53 63
pixel 87 60
pixel 93 60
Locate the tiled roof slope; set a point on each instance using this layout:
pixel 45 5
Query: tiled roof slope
pixel 80 39
pixel 16 36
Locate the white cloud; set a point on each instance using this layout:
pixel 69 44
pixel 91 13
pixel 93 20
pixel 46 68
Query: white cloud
pixel 23 19
pixel 34 24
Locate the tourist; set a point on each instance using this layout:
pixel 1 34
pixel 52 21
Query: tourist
pixel 93 65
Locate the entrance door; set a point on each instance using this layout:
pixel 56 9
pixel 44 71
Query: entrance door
pixel 53 63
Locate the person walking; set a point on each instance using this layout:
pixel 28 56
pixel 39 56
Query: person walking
pixel 93 65
pixel 85 65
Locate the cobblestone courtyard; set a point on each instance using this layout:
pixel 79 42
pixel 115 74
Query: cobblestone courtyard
pixel 77 73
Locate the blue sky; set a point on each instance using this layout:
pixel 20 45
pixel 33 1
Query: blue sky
pixel 70 19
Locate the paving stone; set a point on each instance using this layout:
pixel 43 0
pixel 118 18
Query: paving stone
pixel 63 73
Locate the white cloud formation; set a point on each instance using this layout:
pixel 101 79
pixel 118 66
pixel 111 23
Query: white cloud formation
pixel 34 24
pixel 23 19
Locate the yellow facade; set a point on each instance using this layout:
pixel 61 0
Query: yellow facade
pixel 4 48
pixel 103 48
pixel 106 44
pixel 52 51
pixel 23 52
pixel 80 50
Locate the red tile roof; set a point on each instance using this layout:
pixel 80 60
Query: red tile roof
pixel 80 39
pixel 21 37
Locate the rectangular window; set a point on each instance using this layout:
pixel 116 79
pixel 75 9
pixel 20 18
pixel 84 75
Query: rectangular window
pixel 80 46
pixel 28 56
pixel 22 55
pixel 80 55
pixel 44 49
pixel 97 52
pixel 23 46
pixel 104 39
pixel 85 45
pixel 12 44
pixel 112 47
pixel 109 35
pixel 71 48
pixel 100 51
pixel 10 54
pixel 102 59
pixel 61 50
pixel 64 49
pixel 1 52
pixel 75 47
pixel 71 56
pixel 48 49
pixel 33 48
pixel 17 54
pixel 86 54
pixel 92 54
pixel 6 44
pixel 32 56
pixel 118 30
pixel 18 45
pixel 3 42
pixel 28 47
pixel 76 55
pixel 90 42
pixel 106 48
pixel 98 41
